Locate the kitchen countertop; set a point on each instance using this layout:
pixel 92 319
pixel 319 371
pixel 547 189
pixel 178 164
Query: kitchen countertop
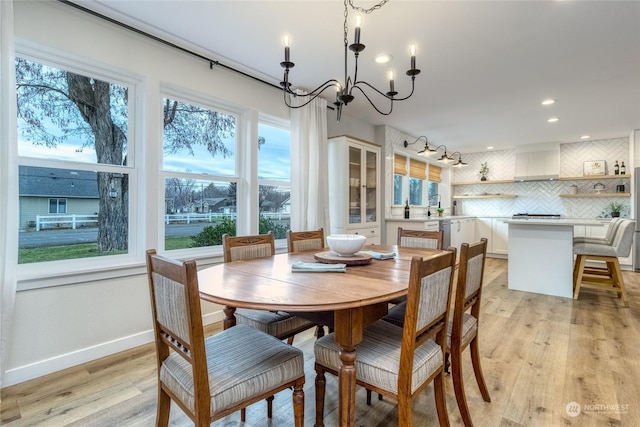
pixel 431 218
pixel 558 221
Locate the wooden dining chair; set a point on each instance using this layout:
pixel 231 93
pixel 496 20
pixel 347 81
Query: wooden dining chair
pixel 226 372
pixel 300 241
pixel 280 324
pixel 465 322
pixel 430 239
pixel 400 362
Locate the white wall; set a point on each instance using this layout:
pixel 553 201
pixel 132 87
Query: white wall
pixel 62 326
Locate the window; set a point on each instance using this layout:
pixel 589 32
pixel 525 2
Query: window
pixel 199 164
pixel 274 178
pixel 57 206
pixel 411 173
pixel 417 177
pixel 74 153
pixel 435 177
pixel 399 175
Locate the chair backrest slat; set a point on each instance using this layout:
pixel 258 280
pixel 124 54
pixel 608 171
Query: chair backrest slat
pixel 299 241
pixel 427 309
pixel 420 238
pixel 469 286
pixel 237 248
pixel 623 240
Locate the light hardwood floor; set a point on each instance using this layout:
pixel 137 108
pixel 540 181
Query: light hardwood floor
pixel 539 354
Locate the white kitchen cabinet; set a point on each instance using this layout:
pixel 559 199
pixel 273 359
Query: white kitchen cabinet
pixel 483 229
pixel 462 231
pixel 500 236
pixel 354 204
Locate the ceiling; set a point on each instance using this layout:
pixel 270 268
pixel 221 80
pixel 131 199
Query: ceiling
pixel 486 65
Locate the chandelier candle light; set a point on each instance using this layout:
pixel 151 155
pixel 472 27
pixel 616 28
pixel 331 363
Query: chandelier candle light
pixel 344 91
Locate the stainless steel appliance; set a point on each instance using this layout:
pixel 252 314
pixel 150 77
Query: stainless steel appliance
pixel 636 209
pixel 445 226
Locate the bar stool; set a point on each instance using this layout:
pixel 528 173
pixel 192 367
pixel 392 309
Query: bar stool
pixel 608 237
pixel 609 277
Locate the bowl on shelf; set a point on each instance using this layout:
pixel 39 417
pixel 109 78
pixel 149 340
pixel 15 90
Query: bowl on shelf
pixel 346 244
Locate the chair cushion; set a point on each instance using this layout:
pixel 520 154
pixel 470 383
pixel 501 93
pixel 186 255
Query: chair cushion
pixel 278 324
pixel 242 362
pixel 469 329
pixel 396 315
pixel 594 249
pixel 378 356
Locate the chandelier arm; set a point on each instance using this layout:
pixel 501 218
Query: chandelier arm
pixel 314 94
pixel 384 94
pixel 371 102
pixel 317 91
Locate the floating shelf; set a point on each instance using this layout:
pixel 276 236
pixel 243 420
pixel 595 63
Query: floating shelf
pixel 564 178
pixel 592 177
pixel 487 196
pixel 499 181
pixel 585 195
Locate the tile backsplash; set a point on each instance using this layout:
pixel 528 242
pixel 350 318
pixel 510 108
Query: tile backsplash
pixel 543 196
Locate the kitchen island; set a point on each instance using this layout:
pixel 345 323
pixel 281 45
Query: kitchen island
pixel 541 255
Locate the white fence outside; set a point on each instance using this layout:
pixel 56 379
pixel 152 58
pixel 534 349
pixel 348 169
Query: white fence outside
pixel 74 221
pixel 58 221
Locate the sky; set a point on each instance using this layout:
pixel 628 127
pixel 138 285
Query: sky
pixel 274 162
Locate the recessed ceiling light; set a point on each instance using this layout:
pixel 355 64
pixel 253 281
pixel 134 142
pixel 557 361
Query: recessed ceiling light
pixel 553 119
pixel 585 137
pixel 548 101
pixel 490 147
pixel 383 58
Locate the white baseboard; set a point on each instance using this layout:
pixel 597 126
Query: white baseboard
pixel 54 364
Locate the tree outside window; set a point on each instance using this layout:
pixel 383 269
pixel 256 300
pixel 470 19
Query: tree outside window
pixel 72 123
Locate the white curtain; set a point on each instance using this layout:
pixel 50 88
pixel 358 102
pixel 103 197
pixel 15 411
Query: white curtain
pixel 8 181
pixel 309 188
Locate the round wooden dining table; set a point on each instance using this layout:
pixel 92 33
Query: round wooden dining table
pixel 347 301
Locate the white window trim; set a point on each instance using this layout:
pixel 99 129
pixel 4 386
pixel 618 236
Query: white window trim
pixel 65 272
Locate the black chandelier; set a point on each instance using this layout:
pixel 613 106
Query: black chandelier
pixel 344 91
pixel 428 151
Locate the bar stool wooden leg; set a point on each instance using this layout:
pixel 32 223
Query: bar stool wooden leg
pixel 579 270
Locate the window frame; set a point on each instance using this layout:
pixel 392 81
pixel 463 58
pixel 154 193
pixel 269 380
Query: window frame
pixel 63 272
pixel 57 200
pixel 282 124
pixel 188 96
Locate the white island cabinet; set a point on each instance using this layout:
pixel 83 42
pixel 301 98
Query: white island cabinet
pixel 541 255
pixel 354 188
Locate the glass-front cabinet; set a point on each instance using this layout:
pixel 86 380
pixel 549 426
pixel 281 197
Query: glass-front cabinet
pixel 354 167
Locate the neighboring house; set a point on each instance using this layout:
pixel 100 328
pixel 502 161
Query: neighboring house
pixel 52 192
pixel 286 206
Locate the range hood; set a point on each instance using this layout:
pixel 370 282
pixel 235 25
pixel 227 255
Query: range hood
pixel 537 162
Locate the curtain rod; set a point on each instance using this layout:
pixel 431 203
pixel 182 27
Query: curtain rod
pixel 211 62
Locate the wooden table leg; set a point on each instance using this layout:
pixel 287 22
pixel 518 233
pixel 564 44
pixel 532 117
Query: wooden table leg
pixel 229 317
pixel 348 333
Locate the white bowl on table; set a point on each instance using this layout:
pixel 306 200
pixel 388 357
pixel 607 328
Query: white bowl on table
pixel 346 244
